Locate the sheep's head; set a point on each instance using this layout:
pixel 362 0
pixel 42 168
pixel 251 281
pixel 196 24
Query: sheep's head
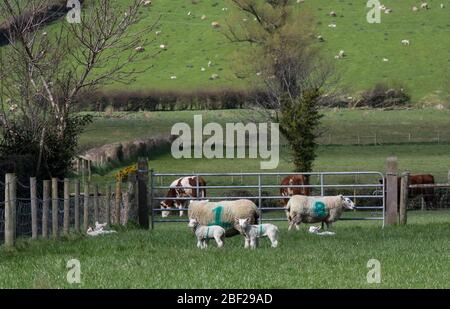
pixel 243 223
pixel 192 222
pixel 348 203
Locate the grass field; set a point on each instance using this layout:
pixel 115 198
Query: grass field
pixel 415 256
pixel 422 67
pixel 392 129
pixel 339 126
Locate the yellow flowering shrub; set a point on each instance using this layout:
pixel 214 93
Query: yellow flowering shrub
pixel 123 173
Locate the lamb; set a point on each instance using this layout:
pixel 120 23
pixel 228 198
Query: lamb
pixel 252 233
pixel 223 213
pixel 405 42
pixel 215 24
pixel 415 9
pixel 146 3
pixel 424 6
pixel 333 14
pixel 204 233
pixel 308 209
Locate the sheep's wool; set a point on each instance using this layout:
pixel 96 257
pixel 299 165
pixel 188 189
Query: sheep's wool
pixel 222 213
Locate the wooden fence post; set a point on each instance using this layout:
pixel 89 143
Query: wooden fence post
pixel 391 191
pixel 142 177
pixel 96 203
pixel 55 207
pixel 118 198
pixel 45 207
pixel 77 206
pixel 66 207
pixel 108 205
pixel 126 200
pixel 404 197
pixel 33 196
pixel 86 207
pixel 10 205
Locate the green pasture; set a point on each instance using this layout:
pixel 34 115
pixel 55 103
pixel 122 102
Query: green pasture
pixel 413 256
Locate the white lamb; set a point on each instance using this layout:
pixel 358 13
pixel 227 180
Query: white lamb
pixel 252 232
pixel 204 233
pixel 405 42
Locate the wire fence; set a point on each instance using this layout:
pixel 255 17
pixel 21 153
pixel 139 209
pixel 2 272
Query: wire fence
pixel 101 207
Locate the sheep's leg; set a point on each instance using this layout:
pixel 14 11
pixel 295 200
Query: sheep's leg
pixel 273 239
pixel 199 244
pixel 323 225
pixel 247 242
pixel 219 240
pixel 253 243
pixel 297 226
pixel 165 214
pixel 180 207
pixel 329 225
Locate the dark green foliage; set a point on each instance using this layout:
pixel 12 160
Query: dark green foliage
pixel 54 159
pixel 299 123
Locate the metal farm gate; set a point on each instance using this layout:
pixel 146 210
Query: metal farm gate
pixel 365 188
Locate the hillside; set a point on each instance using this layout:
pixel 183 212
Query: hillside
pixel 423 67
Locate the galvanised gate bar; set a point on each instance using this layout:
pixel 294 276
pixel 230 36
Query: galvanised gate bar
pixel 366 188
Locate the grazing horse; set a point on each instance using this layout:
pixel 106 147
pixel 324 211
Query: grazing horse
pixel 294 180
pixel 183 187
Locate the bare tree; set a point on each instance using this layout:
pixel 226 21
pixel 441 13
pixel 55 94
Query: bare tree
pixel 44 71
pixel 289 68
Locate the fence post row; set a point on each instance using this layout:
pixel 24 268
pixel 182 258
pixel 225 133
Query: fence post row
pixel 10 210
pixel 33 196
pixel 108 204
pixel 142 177
pixel 404 186
pixel 45 208
pixel 54 207
pixel 66 207
pixel 77 206
pixel 391 191
pixel 86 207
pixel 118 197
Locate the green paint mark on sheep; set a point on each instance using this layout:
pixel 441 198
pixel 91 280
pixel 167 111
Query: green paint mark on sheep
pixel 218 218
pixel 319 209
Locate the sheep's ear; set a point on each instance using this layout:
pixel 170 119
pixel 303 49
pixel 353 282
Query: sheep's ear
pixel 342 197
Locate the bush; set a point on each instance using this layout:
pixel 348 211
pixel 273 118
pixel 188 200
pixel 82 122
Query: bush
pixel 382 96
pixel 169 100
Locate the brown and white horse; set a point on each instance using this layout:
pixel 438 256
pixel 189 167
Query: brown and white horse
pixel 183 187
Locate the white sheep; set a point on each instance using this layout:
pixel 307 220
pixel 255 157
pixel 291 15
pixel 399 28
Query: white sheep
pixel 442 5
pixel 332 26
pixel 388 11
pixel 139 49
pixel 424 6
pixel 163 46
pixel 320 38
pixel 146 3
pixel 415 9
pixel 405 42
pixel 204 233
pixel 333 14
pixel 215 24
pixel 223 213
pixel 308 209
pixel 252 232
